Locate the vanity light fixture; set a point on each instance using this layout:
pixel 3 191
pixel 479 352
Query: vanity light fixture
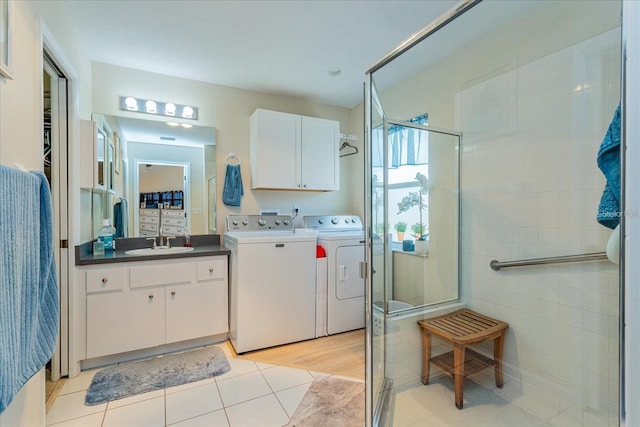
pixel 130 103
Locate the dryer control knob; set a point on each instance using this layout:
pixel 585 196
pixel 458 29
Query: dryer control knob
pixel 278 222
pixel 245 222
pixel 261 222
pixel 346 220
pixel 334 220
pixel 286 222
pixel 321 221
pixel 235 222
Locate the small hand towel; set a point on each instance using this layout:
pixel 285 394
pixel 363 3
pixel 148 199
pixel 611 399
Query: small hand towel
pixel 609 163
pixel 233 190
pixel 29 302
pixel 121 218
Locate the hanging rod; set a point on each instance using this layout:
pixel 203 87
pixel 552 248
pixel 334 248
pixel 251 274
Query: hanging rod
pixel 597 256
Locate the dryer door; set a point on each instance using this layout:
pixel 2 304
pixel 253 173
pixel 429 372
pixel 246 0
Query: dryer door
pixel 348 282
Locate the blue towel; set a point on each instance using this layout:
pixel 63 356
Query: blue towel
pixel 609 163
pixel 232 191
pixel 29 304
pixel 121 218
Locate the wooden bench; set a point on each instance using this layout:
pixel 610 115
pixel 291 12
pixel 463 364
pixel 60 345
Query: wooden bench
pixel 462 328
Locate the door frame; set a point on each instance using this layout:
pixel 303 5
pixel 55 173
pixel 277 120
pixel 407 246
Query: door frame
pixel 66 185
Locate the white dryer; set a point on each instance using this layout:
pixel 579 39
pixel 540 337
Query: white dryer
pixel 342 238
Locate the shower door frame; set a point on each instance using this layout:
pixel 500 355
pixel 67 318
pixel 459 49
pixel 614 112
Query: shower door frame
pixel 629 330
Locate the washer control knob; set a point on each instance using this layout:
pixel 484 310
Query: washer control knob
pixel 245 222
pixel 235 222
pixel 346 221
pixel 261 222
pixel 353 220
pixel 334 221
pixel 278 221
pixel 321 220
pixel 286 222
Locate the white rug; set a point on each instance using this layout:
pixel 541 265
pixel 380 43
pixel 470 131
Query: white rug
pixel 142 376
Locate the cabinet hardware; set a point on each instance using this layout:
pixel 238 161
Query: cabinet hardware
pixel 173 293
pixel 105 280
pixel 150 297
pixel 211 270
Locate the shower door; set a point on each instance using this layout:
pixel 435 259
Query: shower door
pixel 413 176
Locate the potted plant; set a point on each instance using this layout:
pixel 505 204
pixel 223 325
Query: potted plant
pixel 401 228
pixel 418 230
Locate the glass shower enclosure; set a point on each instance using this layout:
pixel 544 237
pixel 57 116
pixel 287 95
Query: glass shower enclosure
pixel 483 131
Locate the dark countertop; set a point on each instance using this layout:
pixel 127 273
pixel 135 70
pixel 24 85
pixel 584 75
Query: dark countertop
pixel 203 245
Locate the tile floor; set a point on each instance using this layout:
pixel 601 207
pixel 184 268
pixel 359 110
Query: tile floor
pixel 250 394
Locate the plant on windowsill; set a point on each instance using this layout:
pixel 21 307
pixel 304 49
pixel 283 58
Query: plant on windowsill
pixel 414 198
pixel 401 228
pixel 417 231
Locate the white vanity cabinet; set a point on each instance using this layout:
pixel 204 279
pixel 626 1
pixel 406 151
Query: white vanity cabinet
pixel 139 305
pixel 294 152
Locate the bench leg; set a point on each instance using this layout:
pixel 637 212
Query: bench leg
pixel 458 369
pixel 498 346
pixel 426 356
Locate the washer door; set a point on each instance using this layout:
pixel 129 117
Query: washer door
pixel 348 282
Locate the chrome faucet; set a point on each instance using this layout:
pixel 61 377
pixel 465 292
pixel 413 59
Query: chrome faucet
pixel 160 235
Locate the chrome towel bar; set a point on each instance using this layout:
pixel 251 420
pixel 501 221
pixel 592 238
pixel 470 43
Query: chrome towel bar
pixel 597 256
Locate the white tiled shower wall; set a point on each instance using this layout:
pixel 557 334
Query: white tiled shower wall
pixel 531 188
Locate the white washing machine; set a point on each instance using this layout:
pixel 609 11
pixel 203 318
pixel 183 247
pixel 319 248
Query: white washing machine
pixel 342 238
pixel 272 291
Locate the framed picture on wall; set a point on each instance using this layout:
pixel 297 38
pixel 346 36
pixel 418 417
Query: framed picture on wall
pixel 5 38
pixel 118 152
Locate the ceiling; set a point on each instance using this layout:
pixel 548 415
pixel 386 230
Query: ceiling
pixel 270 46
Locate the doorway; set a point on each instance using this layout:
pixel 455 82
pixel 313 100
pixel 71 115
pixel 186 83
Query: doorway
pixel 55 148
pixel 161 185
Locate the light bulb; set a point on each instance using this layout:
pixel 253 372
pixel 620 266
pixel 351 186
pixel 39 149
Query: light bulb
pixel 187 112
pixel 131 103
pixel 150 106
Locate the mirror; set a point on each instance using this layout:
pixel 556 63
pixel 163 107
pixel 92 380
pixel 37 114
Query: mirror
pixel 165 149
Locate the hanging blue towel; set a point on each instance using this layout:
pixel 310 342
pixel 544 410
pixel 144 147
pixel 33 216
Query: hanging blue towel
pixel 609 163
pixel 232 191
pixel 29 304
pixel 121 218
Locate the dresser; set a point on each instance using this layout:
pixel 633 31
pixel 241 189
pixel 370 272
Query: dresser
pixel 173 222
pixel 149 222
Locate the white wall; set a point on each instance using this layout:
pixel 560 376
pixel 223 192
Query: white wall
pixel 228 110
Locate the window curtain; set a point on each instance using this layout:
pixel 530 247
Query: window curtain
pixel 407 146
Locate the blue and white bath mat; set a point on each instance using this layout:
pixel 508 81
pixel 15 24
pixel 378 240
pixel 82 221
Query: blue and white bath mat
pixel 142 376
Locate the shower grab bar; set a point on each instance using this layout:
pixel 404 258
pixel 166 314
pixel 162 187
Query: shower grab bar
pixel 597 256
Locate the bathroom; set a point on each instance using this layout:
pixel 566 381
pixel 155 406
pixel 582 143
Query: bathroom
pixel 510 208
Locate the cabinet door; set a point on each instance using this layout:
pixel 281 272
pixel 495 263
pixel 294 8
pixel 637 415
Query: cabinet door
pixel 92 152
pixel 123 321
pixel 275 150
pixel 320 155
pixel 196 310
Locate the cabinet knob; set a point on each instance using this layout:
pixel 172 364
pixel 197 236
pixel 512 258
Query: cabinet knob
pixel 105 280
pixel 150 297
pixel 173 293
pixel 211 270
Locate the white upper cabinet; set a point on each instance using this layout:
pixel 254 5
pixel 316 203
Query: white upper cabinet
pixel 293 152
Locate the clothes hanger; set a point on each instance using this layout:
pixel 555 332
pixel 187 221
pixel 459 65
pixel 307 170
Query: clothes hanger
pixel 346 145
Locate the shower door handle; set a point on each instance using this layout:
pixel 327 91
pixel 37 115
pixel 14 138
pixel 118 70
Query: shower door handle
pixel 363 270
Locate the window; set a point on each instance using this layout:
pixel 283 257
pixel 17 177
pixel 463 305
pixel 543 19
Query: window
pixel 407 178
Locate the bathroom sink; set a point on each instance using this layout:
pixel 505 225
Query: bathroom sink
pixel 159 250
